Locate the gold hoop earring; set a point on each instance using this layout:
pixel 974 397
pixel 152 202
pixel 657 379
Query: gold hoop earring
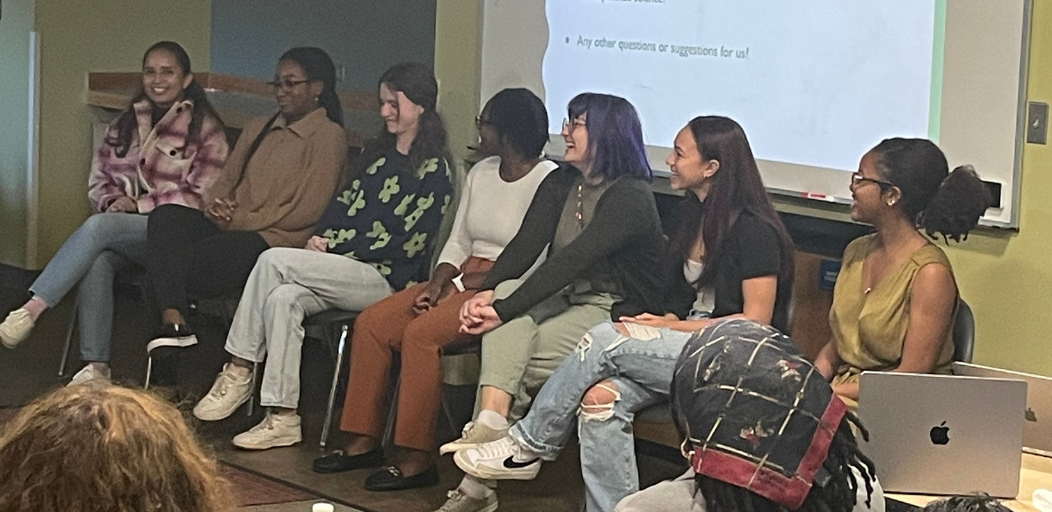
pixel 891 203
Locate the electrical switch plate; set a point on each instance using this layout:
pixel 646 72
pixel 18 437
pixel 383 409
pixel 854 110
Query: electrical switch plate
pixel 1037 123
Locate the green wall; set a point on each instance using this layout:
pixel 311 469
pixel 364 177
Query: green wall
pixel 15 28
pixel 1005 277
pixel 78 37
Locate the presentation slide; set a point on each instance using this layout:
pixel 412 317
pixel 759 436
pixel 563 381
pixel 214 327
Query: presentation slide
pixel 814 83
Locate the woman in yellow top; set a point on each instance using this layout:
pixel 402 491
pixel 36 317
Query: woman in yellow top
pixel 895 297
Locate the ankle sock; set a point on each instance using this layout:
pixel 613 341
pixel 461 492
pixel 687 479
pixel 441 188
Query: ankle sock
pixel 492 419
pixel 475 488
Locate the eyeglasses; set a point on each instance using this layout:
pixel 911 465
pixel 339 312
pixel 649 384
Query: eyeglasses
pixel 479 121
pixel 570 125
pixel 858 179
pixel 286 83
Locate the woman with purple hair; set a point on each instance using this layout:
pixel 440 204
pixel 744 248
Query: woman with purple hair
pixel 597 217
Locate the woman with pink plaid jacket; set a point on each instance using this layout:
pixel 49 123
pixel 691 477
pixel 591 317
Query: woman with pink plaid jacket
pixel 168 146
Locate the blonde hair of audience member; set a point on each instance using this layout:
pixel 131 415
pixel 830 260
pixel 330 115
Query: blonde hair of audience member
pixel 113 449
pixel 904 186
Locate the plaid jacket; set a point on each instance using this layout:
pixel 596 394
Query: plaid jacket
pixel 161 165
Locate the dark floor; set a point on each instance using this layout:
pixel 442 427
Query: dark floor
pixel 32 369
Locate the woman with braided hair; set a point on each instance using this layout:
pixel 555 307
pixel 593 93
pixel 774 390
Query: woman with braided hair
pixel 762 429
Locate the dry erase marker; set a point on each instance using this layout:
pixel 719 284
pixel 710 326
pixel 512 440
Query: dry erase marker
pixel 815 195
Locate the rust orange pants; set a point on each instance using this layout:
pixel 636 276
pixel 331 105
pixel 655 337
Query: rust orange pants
pixel 390 329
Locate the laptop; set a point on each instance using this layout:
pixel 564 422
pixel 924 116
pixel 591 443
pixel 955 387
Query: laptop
pixel 943 434
pixel 1037 429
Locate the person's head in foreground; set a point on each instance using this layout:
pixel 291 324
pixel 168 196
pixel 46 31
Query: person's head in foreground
pixel 762 428
pixel 970 503
pixel 107 449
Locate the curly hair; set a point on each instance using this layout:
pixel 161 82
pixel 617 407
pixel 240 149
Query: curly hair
pixel 971 503
pixel 935 199
pixel 106 449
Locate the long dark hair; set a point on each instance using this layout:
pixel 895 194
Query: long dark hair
pixel 615 135
pixel 127 124
pixel 935 199
pixel 736 188
pixel 419 85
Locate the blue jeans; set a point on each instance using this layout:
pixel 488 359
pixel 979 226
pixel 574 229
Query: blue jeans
pixel 642 372
pixel 104 244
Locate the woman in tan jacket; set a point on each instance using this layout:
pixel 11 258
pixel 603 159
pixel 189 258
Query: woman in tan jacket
pixel 272 191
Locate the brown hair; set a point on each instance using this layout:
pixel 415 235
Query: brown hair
pixel 93 448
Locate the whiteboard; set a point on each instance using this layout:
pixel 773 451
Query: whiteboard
pixel 981 116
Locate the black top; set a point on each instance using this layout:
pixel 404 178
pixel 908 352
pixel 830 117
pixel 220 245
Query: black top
pixel 751 249
pixel 623 244
pixel 389 217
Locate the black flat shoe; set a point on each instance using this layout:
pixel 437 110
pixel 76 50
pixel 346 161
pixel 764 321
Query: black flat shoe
pixel 337 461
pixel 390 478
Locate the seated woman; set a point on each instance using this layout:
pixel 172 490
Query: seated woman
pixel 271 192
pixel 97 447
pixel 604 262
pixel 756 382
pixel 167 147
pixel 372 240
pixel 895 297
pixel 730 258
pixel 419 322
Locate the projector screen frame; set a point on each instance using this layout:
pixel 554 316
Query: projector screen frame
pixel 527 73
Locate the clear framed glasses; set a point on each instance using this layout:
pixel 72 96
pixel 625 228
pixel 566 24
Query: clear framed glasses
pixel 570 125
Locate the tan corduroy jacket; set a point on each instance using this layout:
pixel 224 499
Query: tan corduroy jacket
pixel 289 180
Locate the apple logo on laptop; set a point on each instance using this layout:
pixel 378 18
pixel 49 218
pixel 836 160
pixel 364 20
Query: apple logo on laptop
pixel 1030 416
pixel 940 434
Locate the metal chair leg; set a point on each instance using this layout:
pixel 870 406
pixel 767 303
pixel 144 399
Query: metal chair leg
pixel 69 342
pixel 332 390
pixel 149 372
pixel 252 398
pixel 392 415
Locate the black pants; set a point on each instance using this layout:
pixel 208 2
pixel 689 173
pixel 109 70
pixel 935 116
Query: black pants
pixel 188 254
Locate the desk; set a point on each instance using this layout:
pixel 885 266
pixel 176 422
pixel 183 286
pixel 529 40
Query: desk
pixel 1036 473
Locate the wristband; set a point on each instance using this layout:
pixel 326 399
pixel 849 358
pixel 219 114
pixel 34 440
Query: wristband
pixel 458 282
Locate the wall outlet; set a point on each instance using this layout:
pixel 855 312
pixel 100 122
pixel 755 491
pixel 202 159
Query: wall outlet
pixel 341 72
pixel 1037 123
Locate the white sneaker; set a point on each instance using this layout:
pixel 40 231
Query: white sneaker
pixel 229 391
pixel 90 375
pixel 498 460
pixel 474 434
pixel 275 430
pixel 16 328
pixel 460 502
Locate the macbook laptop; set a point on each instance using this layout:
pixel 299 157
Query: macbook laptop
pixel 943 434
pixel 1037 426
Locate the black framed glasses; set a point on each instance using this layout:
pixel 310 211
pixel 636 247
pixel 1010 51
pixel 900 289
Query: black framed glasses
pixel 286 83
pixel 479 122
pixel 858 179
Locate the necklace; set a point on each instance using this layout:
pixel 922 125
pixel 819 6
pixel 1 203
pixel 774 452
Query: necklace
pixel 580 205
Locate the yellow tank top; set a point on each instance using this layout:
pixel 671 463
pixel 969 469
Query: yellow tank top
pixel 869 329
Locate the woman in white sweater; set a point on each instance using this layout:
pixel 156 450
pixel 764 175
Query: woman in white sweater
pixel 422 320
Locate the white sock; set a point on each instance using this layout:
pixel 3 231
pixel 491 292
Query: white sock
pixel 474 488
pixel 492 419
